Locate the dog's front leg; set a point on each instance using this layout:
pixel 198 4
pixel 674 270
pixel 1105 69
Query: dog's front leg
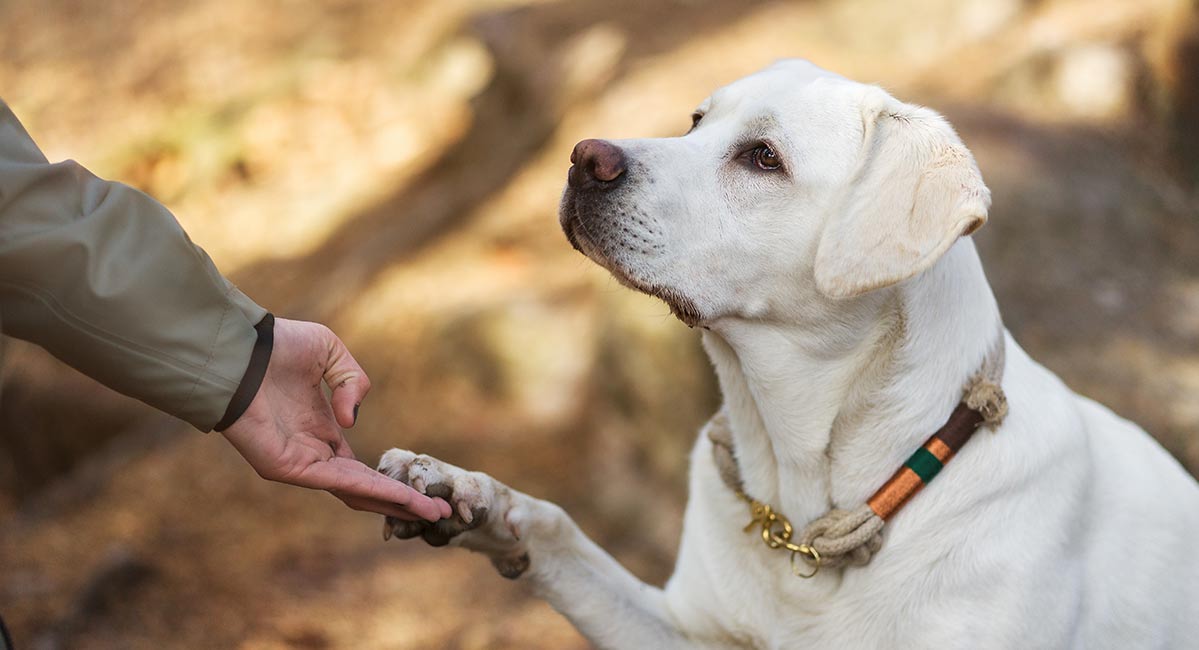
pixel 536 541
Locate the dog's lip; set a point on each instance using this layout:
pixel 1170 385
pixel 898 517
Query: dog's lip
pixel 576 232
pixel 681 306
pixel 580 239
pixel 570 226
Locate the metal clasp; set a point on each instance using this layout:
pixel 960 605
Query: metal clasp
pixel 776 534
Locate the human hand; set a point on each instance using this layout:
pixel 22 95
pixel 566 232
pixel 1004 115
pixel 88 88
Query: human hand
pixel 290 433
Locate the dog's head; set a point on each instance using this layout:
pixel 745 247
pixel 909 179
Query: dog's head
pixel 793 185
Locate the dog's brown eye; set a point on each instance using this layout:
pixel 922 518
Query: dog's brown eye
pixel 765 158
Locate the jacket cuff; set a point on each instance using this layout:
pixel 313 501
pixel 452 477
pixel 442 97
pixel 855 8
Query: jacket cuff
pixel 260 358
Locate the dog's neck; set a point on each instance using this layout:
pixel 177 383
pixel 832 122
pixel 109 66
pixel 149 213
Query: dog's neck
pixel 823 412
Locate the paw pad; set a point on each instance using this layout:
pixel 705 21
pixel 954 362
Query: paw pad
pixel 511 567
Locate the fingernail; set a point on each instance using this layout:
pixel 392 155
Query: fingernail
pixel 356 413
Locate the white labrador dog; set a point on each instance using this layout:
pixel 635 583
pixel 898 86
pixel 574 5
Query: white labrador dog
pixel 813 227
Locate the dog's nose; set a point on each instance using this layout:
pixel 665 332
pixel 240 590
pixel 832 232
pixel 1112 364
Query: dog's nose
pixel 595 160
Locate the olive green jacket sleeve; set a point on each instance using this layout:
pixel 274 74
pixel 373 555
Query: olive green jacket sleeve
pixel 103 277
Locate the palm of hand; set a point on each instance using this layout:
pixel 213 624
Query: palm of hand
pixel 292 434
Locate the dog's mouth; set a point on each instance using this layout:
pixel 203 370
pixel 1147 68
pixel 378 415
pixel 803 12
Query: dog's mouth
pixel 582 239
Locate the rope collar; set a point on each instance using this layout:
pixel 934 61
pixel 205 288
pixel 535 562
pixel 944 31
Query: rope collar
pixel 852 537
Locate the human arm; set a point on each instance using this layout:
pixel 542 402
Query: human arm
pixel 103 277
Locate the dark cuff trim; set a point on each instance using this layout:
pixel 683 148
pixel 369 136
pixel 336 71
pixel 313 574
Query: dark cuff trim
pixel 248 388
pixel 5 638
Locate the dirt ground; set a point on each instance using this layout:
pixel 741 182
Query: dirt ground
pixel 392 169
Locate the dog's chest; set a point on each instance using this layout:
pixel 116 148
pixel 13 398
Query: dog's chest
pixel 730 578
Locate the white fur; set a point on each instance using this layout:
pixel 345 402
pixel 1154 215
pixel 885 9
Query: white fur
pixel 843 313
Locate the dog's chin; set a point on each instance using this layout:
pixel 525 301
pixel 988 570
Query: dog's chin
pixel 680 305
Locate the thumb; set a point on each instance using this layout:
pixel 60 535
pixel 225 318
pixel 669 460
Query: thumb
pixel 348 381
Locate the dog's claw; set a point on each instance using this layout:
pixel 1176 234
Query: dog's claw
pixel 464 511
pixel 386 528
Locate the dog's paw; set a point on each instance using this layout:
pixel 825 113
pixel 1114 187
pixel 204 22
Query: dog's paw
pixel 480 504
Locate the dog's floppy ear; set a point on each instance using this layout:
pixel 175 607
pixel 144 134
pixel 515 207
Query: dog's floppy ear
pixel 917 189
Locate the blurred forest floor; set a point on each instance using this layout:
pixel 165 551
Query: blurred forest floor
pixel 393 169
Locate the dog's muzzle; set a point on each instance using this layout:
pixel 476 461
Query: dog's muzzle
pixel 591 214
pixel 598 168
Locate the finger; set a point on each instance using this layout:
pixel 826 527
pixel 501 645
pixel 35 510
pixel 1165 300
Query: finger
pixel 353 479
pixel 348 381
pixel 379 507
pixel 442 508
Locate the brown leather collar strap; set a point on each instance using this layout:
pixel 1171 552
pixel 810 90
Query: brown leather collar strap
pixel 926 462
